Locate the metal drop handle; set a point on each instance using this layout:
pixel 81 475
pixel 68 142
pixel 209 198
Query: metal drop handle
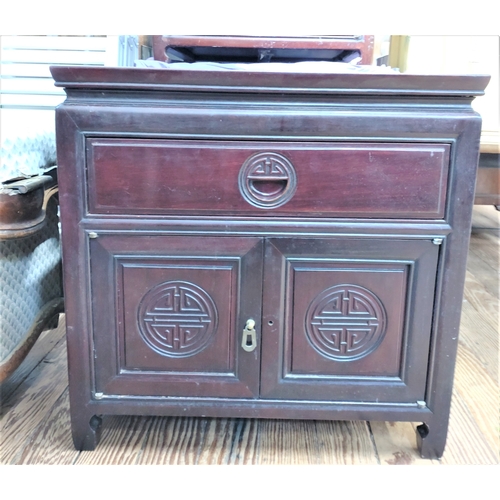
pixel 249 339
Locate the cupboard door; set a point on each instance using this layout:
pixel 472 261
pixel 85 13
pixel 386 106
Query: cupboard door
pixel 347 319
pixel 169 312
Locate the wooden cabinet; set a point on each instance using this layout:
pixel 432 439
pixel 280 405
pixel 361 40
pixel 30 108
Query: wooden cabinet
pixel 264 244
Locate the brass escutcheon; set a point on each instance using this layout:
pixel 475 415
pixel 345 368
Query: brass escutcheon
pixel 249 339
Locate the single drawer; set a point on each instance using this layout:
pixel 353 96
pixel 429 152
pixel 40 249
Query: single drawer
pixel 378 180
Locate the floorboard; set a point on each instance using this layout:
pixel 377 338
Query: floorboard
pixel 37 395
pixel 51 443
pixel 121 444
pixel 40 350
pixel 181 440
pixel 396 444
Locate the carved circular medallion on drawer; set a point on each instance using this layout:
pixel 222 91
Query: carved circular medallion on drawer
pixel 177 319
pixel 345 322
pixel 267 180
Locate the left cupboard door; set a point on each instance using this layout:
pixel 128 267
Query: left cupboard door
pixel 169 314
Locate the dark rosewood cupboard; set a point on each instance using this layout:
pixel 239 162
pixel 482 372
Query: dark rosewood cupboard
pixel 268 245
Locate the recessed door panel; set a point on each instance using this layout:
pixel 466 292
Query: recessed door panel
pixel 347 318
pixel 176 314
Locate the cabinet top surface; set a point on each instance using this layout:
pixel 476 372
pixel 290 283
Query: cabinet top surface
pixel 366 81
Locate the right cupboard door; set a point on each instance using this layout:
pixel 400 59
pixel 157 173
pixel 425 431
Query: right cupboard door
pixel 347 319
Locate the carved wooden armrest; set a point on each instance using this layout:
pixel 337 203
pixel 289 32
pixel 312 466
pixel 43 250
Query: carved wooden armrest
pixel 23 205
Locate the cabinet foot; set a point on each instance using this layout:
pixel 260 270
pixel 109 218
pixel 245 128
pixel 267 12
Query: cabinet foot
pixel 430 442
pixel 86 433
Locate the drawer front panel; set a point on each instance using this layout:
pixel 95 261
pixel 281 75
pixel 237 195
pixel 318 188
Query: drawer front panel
pixel 154 177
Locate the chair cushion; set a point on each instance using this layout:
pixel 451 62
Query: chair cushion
pixel 28 144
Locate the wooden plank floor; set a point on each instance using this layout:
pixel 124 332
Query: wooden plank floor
pixel 35 428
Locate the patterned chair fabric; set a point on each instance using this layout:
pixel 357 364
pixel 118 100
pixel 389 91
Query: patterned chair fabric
pixel 30 274
pixel 28 142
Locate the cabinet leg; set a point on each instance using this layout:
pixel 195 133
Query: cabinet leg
pixel 86 432
pixel 430 441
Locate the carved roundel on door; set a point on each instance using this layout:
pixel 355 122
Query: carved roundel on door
pixel 345 322
pixel 267 180
pixel 177 319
